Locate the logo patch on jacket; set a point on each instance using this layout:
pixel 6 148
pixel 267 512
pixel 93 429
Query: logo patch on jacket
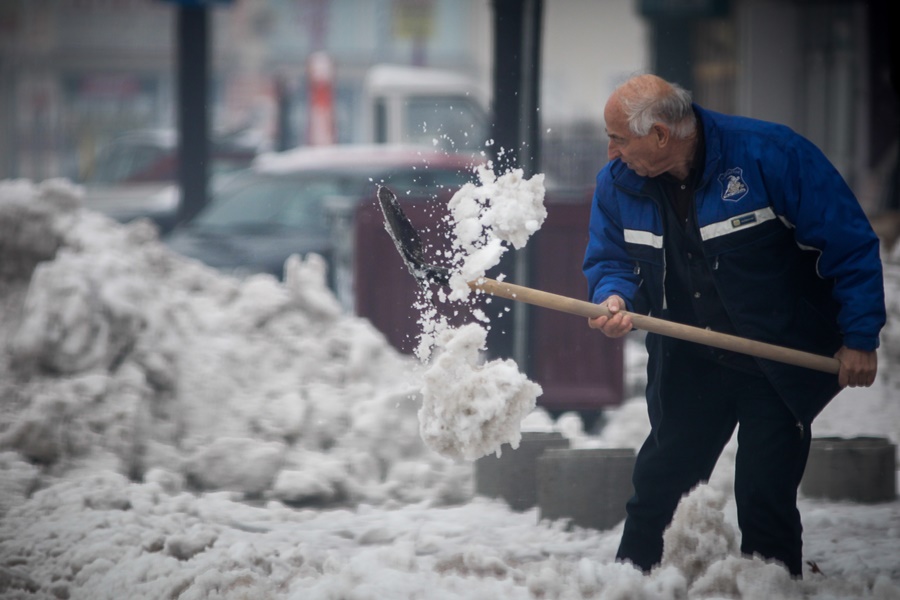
pixel 733 185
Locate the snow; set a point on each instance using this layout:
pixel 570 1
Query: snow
pixel 489 216
pixel 470 407
pixel 169 432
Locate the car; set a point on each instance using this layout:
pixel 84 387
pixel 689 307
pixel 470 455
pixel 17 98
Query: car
pixel 134 175
pixel 302 201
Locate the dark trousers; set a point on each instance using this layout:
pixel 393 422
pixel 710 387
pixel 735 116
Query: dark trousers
pixel 703 404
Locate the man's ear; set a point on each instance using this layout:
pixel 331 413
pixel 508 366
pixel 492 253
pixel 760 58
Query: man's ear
pixel 662 134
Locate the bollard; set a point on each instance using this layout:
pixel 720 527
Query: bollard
pixel 511 476
pixel 861 469
pixel 588 486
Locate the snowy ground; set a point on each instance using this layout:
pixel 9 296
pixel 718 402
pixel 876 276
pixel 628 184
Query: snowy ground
pixel 166 432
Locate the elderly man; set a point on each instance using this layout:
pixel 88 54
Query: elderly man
pixel 743 227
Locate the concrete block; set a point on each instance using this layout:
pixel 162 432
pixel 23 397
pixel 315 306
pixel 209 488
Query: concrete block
pixel 861 469
pixel 512 475
pixel 588 486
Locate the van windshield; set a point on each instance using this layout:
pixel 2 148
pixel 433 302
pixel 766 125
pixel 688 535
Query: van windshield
pixel 452 123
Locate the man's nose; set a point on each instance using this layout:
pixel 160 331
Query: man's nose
pixel 612 152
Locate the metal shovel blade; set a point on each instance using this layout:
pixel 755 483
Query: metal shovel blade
pixel 408 242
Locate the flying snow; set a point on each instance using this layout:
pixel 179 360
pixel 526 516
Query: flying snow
pixel 471 407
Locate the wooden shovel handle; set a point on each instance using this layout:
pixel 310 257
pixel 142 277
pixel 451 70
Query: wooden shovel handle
pixel 724 341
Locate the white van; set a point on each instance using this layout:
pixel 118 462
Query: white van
pixel 405 104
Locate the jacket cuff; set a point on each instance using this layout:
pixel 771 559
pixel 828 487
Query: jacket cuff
pixel 861 342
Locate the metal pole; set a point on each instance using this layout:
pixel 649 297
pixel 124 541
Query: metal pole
pixel 516 134
pixel 193 115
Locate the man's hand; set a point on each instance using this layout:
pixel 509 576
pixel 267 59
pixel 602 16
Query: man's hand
pixel 616 324
pixel 858 367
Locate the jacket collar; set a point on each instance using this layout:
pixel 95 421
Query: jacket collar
pixel 713 140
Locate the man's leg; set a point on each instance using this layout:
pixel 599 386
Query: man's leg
pixel 697 422
pixel 771 457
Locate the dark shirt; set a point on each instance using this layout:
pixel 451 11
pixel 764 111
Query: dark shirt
pixel 691 294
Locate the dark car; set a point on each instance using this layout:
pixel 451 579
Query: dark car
pixel 302 201
pixel 135 174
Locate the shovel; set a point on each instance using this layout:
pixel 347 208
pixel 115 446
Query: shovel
pixel 409 244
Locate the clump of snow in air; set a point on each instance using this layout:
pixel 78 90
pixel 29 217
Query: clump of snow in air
pixel 487 218
pixel 167 431
pixel 471 407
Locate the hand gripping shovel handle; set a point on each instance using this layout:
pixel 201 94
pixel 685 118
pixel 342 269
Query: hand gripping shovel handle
pixel 661 326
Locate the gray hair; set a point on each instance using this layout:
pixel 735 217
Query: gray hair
pixel 672 108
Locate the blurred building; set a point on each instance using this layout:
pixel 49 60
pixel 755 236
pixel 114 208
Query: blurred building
pixel 73 73
pixel 822 67
pixel 70 71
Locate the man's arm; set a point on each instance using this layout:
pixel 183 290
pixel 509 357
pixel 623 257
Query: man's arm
pixel 607 266
pixel 819 204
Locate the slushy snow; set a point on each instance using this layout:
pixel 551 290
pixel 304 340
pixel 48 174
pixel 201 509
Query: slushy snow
pixel 169 432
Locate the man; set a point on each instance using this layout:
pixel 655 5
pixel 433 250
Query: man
pixel 743 227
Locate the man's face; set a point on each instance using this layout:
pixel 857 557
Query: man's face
pixel 642 154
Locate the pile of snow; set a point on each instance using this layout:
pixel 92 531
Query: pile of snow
pixel 168 432
pixel 119 351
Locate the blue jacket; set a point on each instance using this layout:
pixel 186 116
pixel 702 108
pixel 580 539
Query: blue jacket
pixel 793 256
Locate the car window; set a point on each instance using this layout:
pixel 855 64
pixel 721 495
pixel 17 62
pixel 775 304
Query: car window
pixel 131 162
pixel 424 181
pixel 447 180
pixel 250 201
pixel 229 164
pixel 266 202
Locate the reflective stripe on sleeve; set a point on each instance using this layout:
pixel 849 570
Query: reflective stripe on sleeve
pixel 643 238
